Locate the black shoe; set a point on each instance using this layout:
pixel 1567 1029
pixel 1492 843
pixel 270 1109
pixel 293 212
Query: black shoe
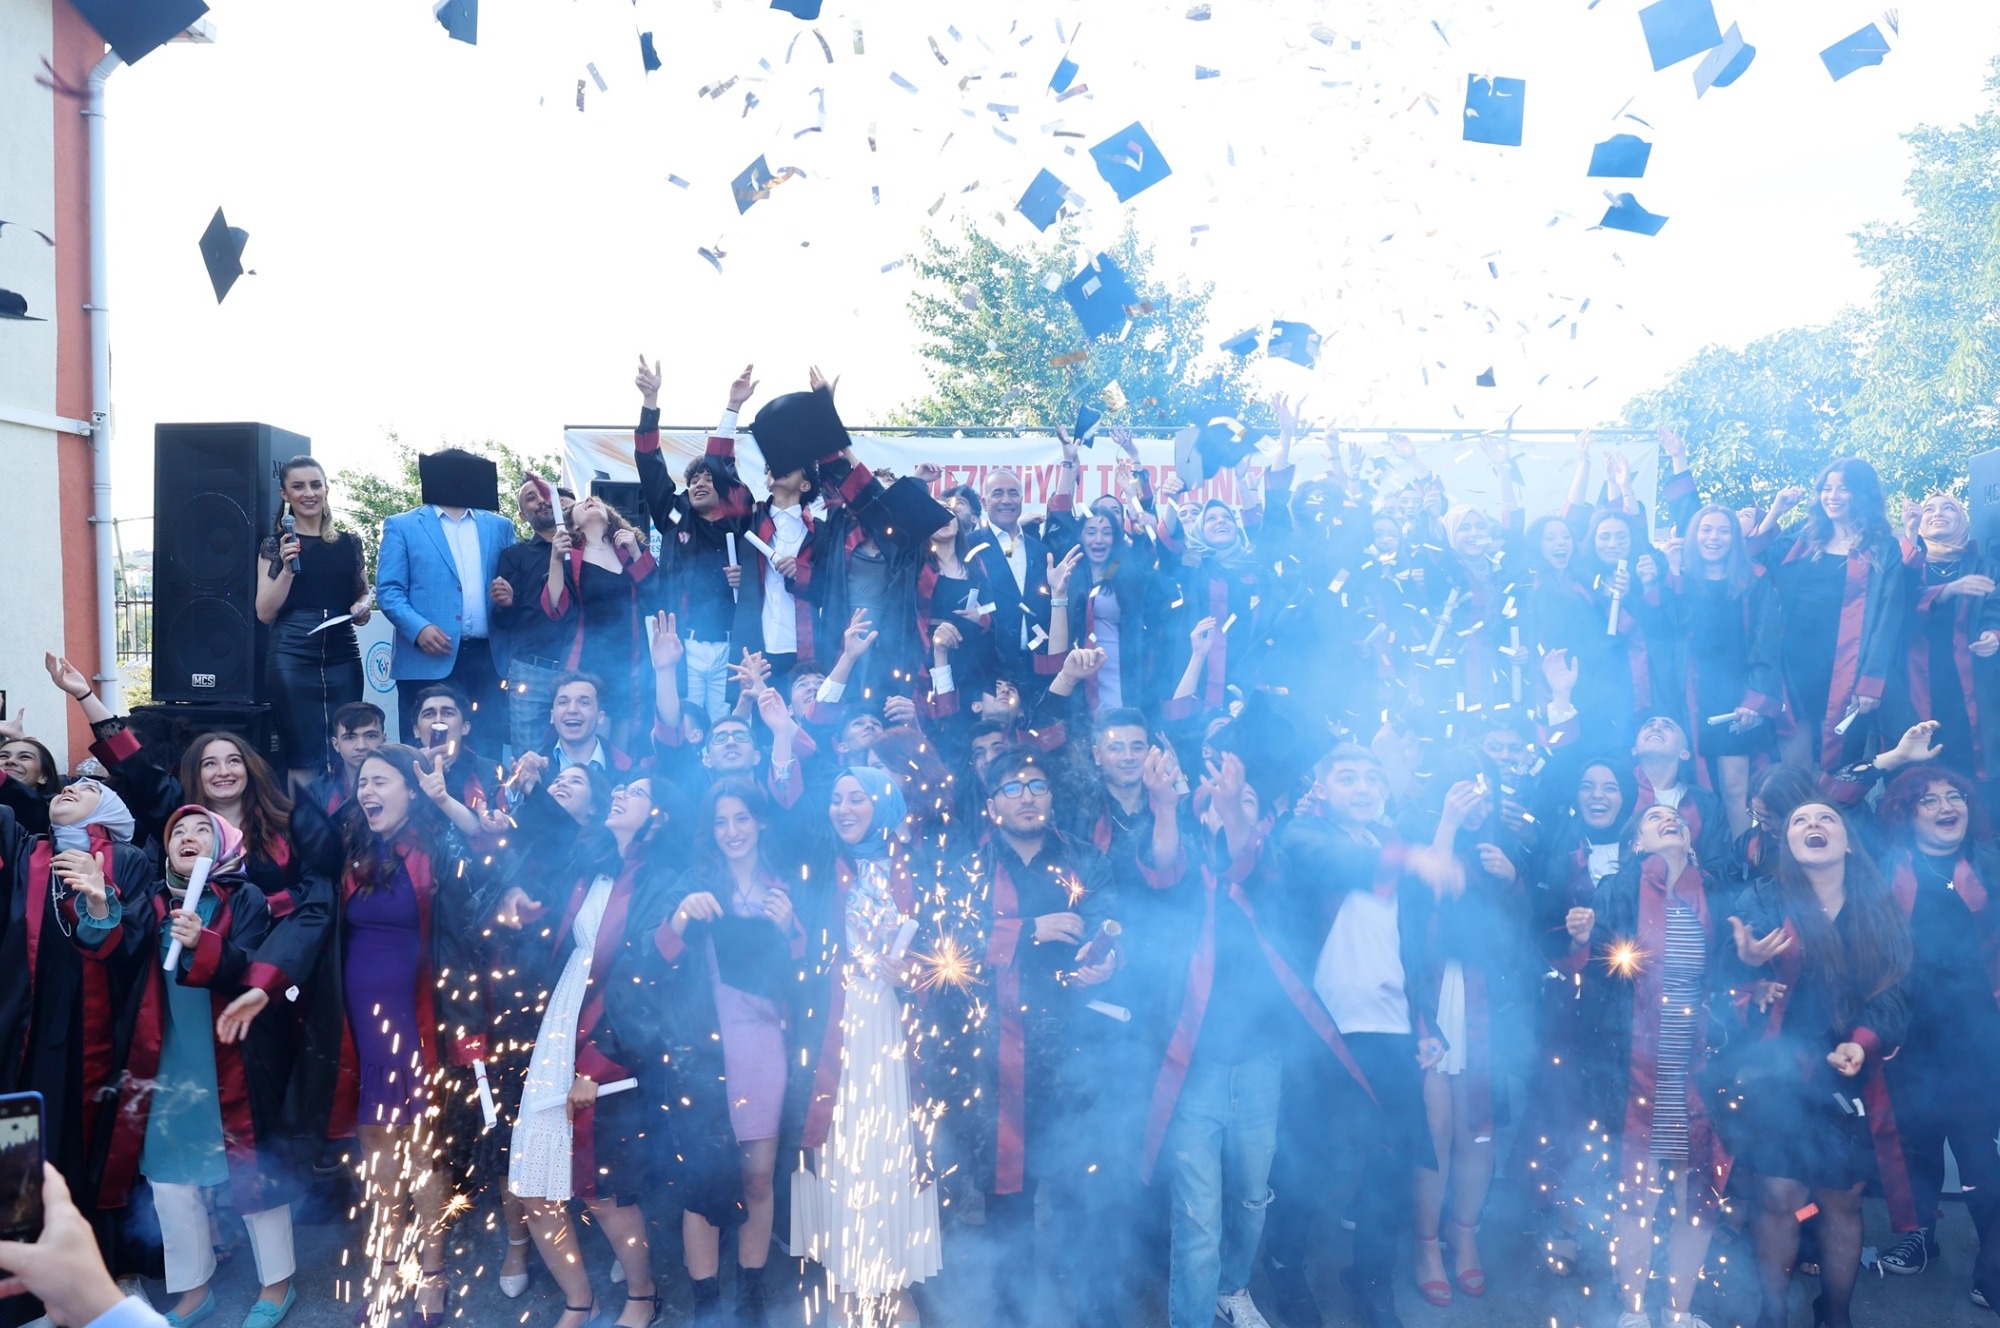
pixel 749 1297
pixel 1374 1301
pixel 1911 1254
pixel 1291 1296
pixel 707 1295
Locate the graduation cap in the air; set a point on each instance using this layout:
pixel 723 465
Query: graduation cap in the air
pixel 14 307
pixel 1495 109
pixel 1677 29
pixel 1625 214
pixel 1245 343
pixel 1130 161
pixel 460 18
pixel 135 28
pixel 753 184
pixel 1187 457
pixel 1276 748
pixel 797 430
pixel 647 55
pixel 805 9
pixel 1487 379
pixel 1857 50
pixel 1222 437
pixel 458 478
pixel 1297 342
pixel 222 253
pixel 908 511
pixel 1064 76
pixel 1100 294
pixel 1085 429
pixel 1621 155
pixel 1725 64
pixel 1043 204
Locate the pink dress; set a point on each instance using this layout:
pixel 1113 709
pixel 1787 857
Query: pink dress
pixel 753 1047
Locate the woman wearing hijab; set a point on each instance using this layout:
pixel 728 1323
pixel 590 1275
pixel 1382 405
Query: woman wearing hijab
pixel 1222 577
pixel 189 1113
pixel 863 1207
pixel 65 1024
pixel 1958 620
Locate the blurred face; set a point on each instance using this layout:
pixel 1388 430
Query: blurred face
pixel 571 791
pixel 353 745
pixel 1834 498
pixel 984 748
pixel 1599 800
pixel 1816 834
pixel 859 734
pixel 75 803
pixel 224 776
pixel 1388 535
pixel 1714 535
pixel 21 761
pixel 1941 818
pixel 1505 749
pixel 384 796
pixel 851 810
pixel 1557 544
pixel 789 488
pixel 1098 540
pixel 1659 829
pixel 1943 519
pixel 574 712
pixel 535 510
pixel 1003 499
pixel 193 838
pixel 1611 541
pixel 305 491
pixel 729 747
pixel 1021 804
pixel 631 808
pixel 1474 536
pixel 1218 526
pixel 736 830
pixel 1352 792
pixel 1119 753
pixel 1660 736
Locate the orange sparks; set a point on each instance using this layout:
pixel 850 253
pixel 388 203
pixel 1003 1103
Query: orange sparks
pixel 948 965
pixel 1623 958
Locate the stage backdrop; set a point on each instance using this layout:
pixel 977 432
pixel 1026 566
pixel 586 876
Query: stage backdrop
pixel 1547 461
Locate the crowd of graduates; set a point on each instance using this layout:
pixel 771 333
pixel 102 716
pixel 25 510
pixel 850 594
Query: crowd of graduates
pixel 885 883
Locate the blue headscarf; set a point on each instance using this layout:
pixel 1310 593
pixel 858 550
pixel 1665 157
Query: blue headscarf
pixel 890 811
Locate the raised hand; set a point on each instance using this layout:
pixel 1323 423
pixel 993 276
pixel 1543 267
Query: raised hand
pixel 430 779
pixel 1160 773
pixel 1559 671
pixel 1083 662
pixel 1202 639
pixel 817 381
pixel 857 640
pixel 929 472
pixel 740 391
pixel 945 636
pixel 665 643
pixel 1913 748
pixel 1674 446
pixel 1757 951
pixel 648 383
pixel 80 871
pixel 1059 572
pixel 777 715
pixel 66 676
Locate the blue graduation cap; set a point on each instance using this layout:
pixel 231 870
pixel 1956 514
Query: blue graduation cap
pixel 460 18
pixel 136 28
pixel 1296 342
pixel 1487 379
pixel 1494 110
pixel 1044 201
pixel 1100 294
pixel 222 253
pixel 753 184
pixel 14 308
pixel 1130 161
pixel 1857 50
pixel 1677 29
pixel 1625 214
pixel 1064 76
pixel 805 9
pixel 1725 64
pixel 1245 343
pixel 1623 156
pixel 1085 430
pixel 650 56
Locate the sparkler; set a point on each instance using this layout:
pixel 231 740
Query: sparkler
pixel 1623 958
pixel 948 965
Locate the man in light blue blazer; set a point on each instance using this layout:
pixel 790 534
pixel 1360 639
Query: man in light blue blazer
pixel 432 576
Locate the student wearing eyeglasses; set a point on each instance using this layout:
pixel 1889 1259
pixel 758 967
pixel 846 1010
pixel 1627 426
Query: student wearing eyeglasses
pixel 1942 868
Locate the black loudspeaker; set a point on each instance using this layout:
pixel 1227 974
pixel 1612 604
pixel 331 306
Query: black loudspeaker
pixel 215 498
pixel 1982 501
pixel 165 731
pixel 627 498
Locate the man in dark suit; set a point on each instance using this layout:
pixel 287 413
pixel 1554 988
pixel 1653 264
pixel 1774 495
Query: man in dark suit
pixel 1016 564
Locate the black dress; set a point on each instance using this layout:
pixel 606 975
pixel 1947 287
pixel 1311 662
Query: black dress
pixel 612 645
pixel 311 676
pixel 1718 655
pixel 1812 591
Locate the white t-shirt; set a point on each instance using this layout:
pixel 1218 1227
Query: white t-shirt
pixel 781 615
pixel 1360 971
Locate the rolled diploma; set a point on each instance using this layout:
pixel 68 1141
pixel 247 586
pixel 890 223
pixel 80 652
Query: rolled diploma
pixel 195 884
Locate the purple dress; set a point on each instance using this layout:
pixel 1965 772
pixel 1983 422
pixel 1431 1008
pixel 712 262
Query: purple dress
pixel 753 1049
pixel 384 954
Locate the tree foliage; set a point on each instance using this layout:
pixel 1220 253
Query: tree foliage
pixel 1910 380
pixel 363 499
pixel 1002 348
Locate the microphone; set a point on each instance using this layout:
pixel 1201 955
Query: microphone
pixel 291 526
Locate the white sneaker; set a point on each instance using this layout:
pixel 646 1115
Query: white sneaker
pixel 1239 1311
pixel 1634 1319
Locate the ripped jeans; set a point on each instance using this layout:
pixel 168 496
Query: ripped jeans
pixel 1224 1131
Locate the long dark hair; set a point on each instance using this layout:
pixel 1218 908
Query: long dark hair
pixel 267 809
pixel 1864 499
pixel 1861 960
pixel 51 781
pixel 1737 570
pixel 328 532
pixel 369 863
pixel 708 859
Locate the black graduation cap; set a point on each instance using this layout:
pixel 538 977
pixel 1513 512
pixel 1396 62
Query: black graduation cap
pixel 1222 438
pixel 909 511
pixel 1677 29
pixel 222 253
pixel 458 478
pixel 1245 343
pixel 460 18
pixel 1621 155
pixel 1625 214
pixel 1725 64
pixel 1085 429
pixel 1297 342
pixel 1100 294
pixel 1495 109
pixel 1487 379
pixel 797 430
pixel 14 307
pixel 1044 201
pixel 647 54
pixel 1130 161
pixel 805 9
pixel 1857 50
pixel 1276 748
pixel 134 28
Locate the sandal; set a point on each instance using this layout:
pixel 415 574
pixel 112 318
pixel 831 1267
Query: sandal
pixel 654 1299
pixel 421 1318
pixel 515 1285
pixel 1437 1293
pixel 1473 1280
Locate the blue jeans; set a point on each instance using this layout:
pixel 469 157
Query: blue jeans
pixel 1219 1144
pixel 530 694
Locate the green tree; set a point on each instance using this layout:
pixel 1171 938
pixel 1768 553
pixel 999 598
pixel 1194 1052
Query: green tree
pixel 365 499
pixel 1003 349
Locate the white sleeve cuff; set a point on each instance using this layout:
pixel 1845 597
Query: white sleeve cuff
pixel 941 680
pixel 1560 714
pixel 727 428
pixel 830 691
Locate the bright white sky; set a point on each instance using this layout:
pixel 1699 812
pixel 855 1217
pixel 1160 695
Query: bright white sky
pixel 446 247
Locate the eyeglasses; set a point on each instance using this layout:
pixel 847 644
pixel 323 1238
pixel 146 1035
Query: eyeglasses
pixel 1930 802
pixel 1017 788
pixel 727 737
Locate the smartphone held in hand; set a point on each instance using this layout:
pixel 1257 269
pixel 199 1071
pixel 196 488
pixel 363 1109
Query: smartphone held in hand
pixel 21 1166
